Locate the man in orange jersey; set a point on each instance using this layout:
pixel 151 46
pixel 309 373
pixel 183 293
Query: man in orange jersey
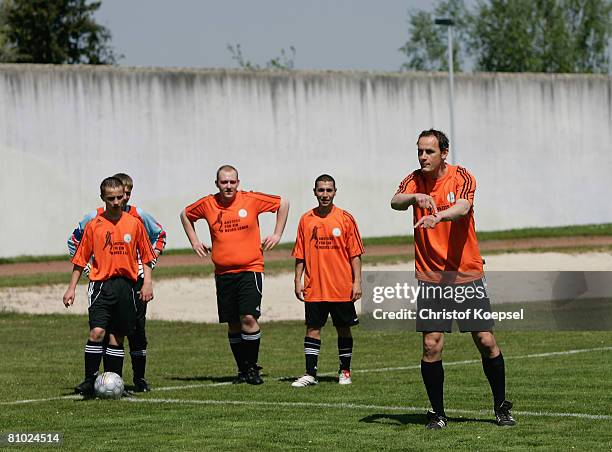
pixel 447 256
pixel 115 239
pixel 328 250
pixel 232 217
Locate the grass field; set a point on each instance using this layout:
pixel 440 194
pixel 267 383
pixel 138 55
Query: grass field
pixel 562 398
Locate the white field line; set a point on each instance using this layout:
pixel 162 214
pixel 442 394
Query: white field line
pixel 451 363
pixel 354 406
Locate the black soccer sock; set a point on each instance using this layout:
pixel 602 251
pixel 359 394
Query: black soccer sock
pixel 235 341
pixel 495 370
pixel 139 363
pixel 250 348
pixel 312 347
pixel 138 353
pixel 433 377
pixel 93 357
pixel 345 352
pixel 114 358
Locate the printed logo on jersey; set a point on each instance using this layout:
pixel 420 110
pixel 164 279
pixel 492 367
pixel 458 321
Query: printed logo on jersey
pixel 327 242
pixel 218 221
pixel 230 225
pixel 336 232
pixel 451 197
pixel 108 240
pixel 127 238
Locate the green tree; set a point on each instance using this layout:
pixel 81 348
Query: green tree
pixel 55 32
pixel 517 36
pixel 281 62
pixel 426 49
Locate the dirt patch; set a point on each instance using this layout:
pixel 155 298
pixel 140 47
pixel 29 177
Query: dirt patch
pixel 193 299
pixel 178 260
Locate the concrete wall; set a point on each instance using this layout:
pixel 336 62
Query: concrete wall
pixel 539 145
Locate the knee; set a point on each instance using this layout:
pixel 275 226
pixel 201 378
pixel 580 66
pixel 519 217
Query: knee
pixel 432 346
pixel 96 334
pixel 487 345
pixel 344 331
pixel 249 322
pixel 314 333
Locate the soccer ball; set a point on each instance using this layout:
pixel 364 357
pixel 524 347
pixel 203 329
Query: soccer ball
pixel 108 385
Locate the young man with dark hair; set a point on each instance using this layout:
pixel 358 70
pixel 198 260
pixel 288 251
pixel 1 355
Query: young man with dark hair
pixel 447 255
pixel 232 217
pixel 157 236
pixel 327 253
pixel 115 241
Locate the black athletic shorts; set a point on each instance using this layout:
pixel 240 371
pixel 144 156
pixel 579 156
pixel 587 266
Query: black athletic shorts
pixel 343 313
pixel 113 305
pixel 238 294
pixel 439 304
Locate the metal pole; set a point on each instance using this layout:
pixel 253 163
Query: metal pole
pixel 453 144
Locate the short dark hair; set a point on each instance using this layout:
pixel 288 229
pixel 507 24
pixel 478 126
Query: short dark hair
pixel 126 179
pixel 227 168
pixel 325 178
pixel 109 183
pixel 440 136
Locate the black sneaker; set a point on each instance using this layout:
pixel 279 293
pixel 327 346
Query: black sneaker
pixel 141 385
pixel 240 378
pixel 252 376
pixel 503 416
pixel 126 394
pixel 86 387
pixel 436 422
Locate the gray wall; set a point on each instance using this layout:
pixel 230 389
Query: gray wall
pixel 539 145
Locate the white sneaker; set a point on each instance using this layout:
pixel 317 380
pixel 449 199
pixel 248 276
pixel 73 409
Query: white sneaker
pixel 305 380
pixel 344 377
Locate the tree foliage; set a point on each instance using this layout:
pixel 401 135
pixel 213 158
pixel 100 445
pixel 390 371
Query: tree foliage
pixel 284 61
pixel 54 32
pixel 515 36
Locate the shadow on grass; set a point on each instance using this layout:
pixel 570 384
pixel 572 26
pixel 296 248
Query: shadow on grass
pixel 211 378
pixel 413 418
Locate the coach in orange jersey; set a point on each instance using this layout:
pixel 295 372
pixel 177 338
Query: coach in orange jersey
pixel 237 253
pixel 447 255
pixel 116 241
pixel 327 253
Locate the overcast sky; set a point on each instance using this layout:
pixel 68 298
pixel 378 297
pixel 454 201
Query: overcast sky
pixel 327 34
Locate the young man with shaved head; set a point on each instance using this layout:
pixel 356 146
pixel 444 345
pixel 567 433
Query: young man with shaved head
pixel 237 253
pixel 447 256
pixel 327 253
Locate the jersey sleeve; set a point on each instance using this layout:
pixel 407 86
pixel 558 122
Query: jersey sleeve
pixel 354 243
pixel 197 210
pixel 84 249
pixel 155 231
pixel 143 245
pixel 264 202
pixel 407 186
pixel 466 185
pixel 298 248
pixel 77 235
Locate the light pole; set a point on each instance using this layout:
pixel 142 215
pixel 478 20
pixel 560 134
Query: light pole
pixel 449 25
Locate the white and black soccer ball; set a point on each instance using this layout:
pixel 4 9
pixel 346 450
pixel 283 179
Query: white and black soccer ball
pixel 108 385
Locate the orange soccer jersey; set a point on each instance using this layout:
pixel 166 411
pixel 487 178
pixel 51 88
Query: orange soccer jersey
pixel 452 245
pixel 326 245
pixel 115 247
pixel 234 230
